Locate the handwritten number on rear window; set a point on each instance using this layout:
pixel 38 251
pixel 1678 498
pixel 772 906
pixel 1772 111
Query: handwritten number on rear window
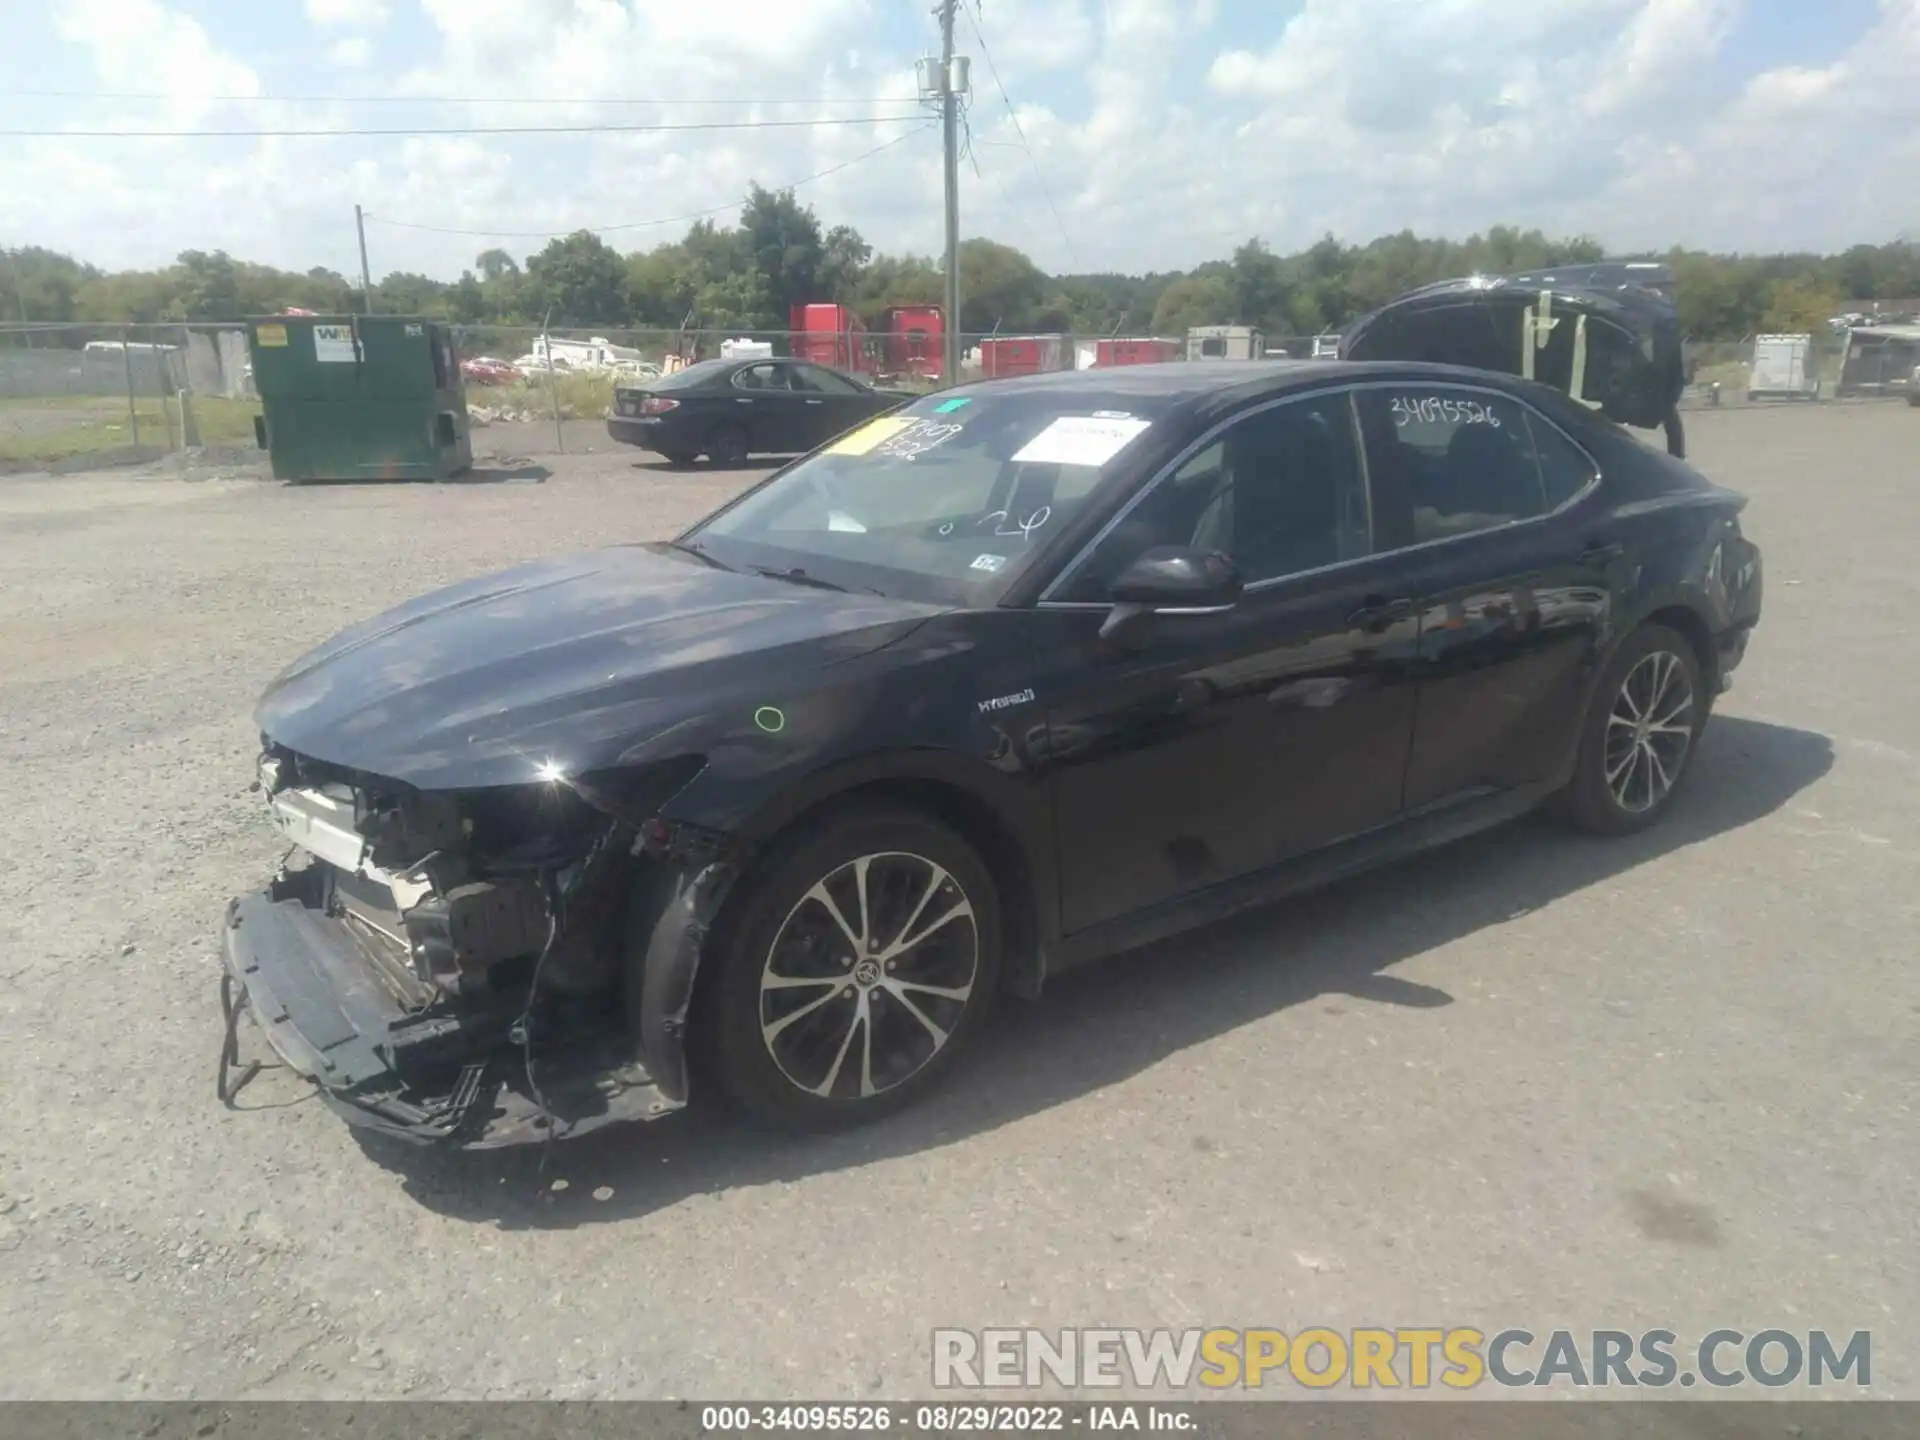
pixel 1439 409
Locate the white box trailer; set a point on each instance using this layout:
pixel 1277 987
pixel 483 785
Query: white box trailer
pixel 1225 342
pixel 1783 369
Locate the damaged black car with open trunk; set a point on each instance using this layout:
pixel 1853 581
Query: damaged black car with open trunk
pixel 1019 675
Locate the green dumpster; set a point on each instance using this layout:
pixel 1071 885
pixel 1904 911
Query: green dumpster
pixel 359 397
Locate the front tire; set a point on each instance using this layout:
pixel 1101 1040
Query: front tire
pixel 853 970
pixel 1640 734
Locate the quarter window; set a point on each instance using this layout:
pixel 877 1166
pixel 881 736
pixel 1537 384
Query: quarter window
pixel 1564 469
pixel 1445 462
pixel 1279 491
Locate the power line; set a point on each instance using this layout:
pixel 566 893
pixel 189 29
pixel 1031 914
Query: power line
pixel 608 128
pixel 647 224
pixel 974 19
pixel 471 99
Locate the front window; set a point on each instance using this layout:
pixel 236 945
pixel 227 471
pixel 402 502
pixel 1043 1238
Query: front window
pixel 1280 492
pixel 947 499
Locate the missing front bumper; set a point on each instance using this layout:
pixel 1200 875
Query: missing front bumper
pixel 303 980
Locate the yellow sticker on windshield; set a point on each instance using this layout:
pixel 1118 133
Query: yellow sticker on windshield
pixel 874 432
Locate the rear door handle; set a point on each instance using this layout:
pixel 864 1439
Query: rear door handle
pixel 1378 613
pixel 1601 553
pixel 816 402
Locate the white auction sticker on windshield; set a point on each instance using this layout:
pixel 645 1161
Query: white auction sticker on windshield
pixel 1089 440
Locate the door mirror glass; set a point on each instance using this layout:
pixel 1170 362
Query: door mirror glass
pixel 1177 577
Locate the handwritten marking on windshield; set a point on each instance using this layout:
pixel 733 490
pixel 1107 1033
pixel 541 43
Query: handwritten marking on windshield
pixel 1023 529
pixel 916 439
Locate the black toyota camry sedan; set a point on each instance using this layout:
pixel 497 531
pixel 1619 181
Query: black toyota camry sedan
pixel 1018 675
pixel 728 410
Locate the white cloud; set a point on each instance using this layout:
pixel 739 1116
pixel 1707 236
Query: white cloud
pixel 142 45
pixel 347 14
pixel 1160 147
pixel 1035 36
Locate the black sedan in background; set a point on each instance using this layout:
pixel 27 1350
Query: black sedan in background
pixel 1016 676
pixel 730 409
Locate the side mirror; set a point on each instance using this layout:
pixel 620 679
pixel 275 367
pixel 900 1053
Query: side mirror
pixel 1177 577
pixel 1167 577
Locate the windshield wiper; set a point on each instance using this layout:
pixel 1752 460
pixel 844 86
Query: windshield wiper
pixel 797 576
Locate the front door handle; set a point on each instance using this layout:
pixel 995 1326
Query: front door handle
pixel 1378 613
pixel 1601 552
pixel 816 402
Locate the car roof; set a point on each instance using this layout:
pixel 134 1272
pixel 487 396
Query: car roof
pixel 1202 384
pixel 1168 380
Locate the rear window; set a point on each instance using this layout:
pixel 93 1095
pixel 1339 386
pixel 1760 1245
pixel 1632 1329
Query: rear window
pixel 690 377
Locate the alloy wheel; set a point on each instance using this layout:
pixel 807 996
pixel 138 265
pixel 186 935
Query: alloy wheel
pixel 1649 731
pixel 869 976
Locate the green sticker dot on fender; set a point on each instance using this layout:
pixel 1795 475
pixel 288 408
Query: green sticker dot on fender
pixel 770 718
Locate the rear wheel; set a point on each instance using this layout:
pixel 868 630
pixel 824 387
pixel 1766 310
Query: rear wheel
pixel 727 445
pixel 1640 734
pixel 853 971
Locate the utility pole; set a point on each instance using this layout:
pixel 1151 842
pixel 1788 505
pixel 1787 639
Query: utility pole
pixel 950 137
pixel 366 280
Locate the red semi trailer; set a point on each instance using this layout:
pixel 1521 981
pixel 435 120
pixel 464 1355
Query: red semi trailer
pixel 1135 351
pixel 915 341
pixel 829 335
pixel 1002 355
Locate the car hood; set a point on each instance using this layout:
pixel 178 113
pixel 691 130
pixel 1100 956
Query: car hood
pixel 587 662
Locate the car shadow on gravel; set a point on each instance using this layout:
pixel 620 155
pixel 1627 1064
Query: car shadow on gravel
pixel 659 466
pixel 1102 1024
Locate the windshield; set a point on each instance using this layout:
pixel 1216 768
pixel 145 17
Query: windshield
pixel 948 498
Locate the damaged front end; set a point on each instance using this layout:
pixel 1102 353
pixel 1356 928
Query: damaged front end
pixel 482 968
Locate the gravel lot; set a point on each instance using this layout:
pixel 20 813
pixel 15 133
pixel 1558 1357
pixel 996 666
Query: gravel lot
pixel 1535 1080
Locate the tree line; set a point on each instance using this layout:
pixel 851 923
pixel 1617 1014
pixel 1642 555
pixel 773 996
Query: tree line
pixel 745 276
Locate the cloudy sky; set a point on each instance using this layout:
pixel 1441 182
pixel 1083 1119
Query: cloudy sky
pixel 1161 131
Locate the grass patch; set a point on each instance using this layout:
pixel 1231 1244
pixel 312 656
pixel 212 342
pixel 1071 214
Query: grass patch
pixel 582 396
pixel 63 427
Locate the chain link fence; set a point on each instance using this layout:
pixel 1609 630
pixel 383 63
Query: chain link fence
pixel 522 373
pixel 73 395
pixel 98 394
